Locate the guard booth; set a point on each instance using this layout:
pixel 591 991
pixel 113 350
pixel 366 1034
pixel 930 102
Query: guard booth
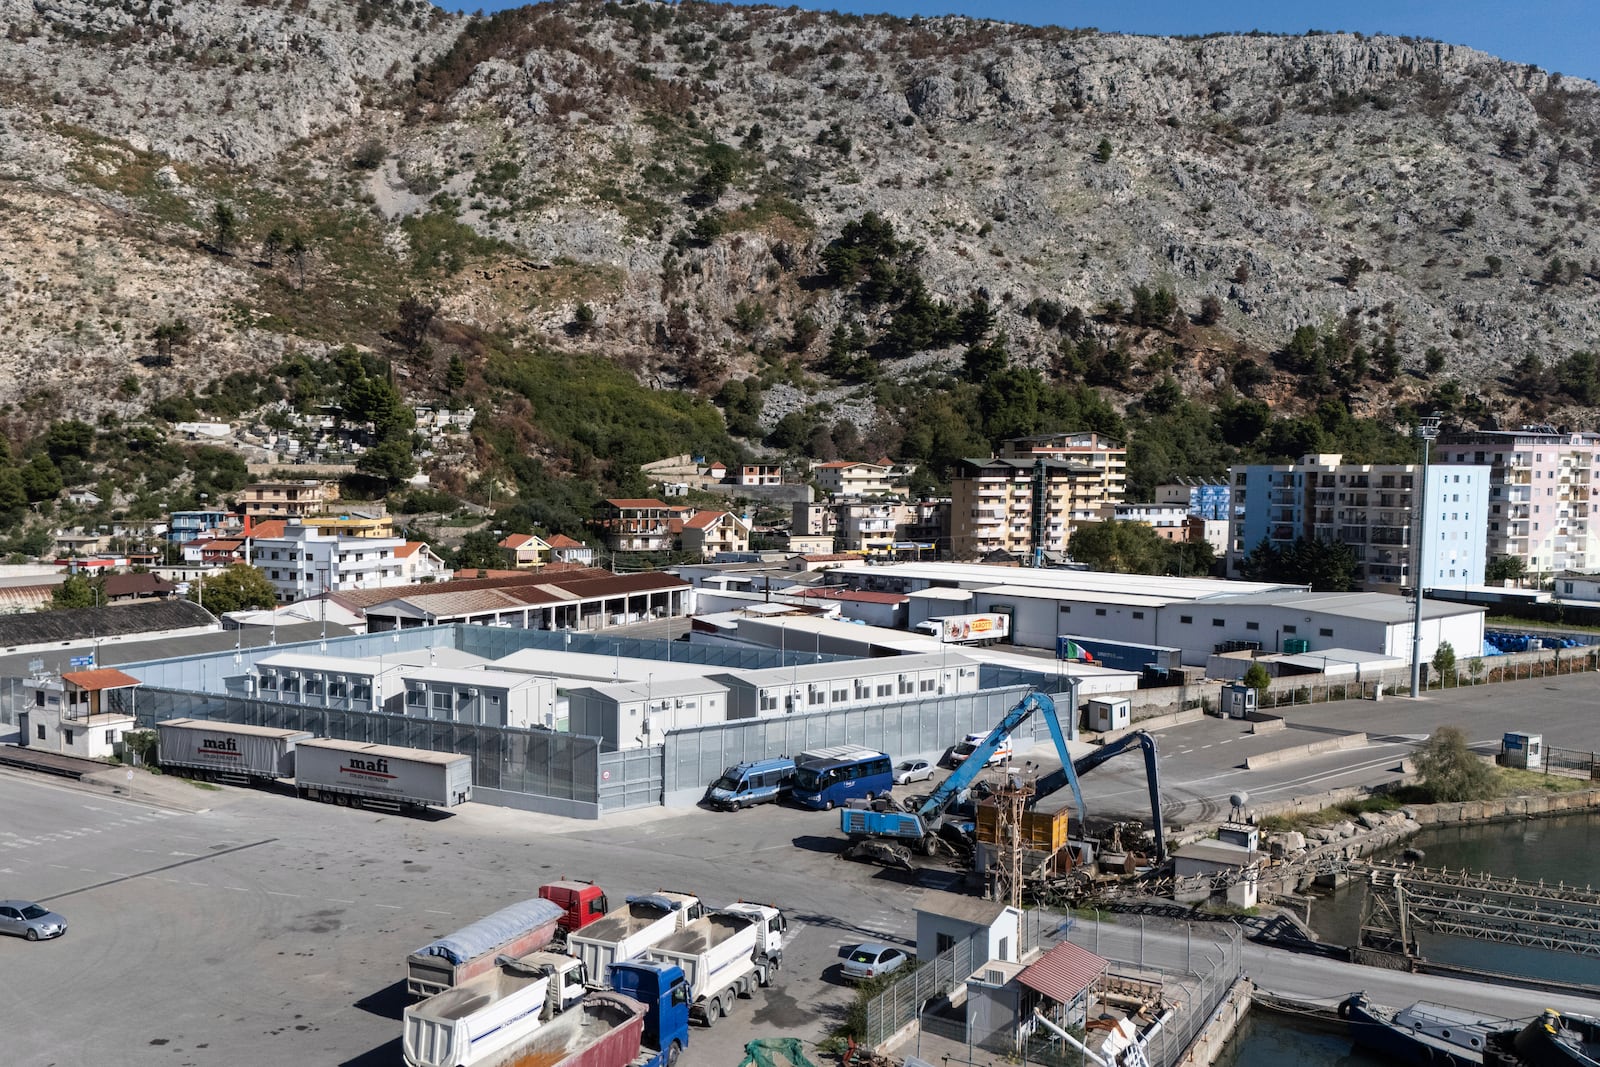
pixel 1113 713
pixel 1239 701
pixel 1522 750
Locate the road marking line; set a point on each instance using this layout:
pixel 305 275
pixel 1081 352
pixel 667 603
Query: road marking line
pixel 336 900
pixel 236 888
pixel 88 870
pixel 202 885
pixel 394 907
pixel 61 866
pixel 1229 741
pixel 1204 747
pixel 275 893
pixel 435 911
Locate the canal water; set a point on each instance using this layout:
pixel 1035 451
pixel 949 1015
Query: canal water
pixel 1565 849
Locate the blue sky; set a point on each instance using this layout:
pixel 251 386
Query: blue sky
pixel 1558 35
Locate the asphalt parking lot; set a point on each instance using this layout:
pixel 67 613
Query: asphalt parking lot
pixel 270 930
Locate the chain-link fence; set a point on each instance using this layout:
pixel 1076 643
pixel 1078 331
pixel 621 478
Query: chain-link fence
pixel 537 762
pixel 1192 972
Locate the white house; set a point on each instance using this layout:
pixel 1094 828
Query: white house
pixel 420 563
pixel 1578 587
pixel 304 563
pixel 943 919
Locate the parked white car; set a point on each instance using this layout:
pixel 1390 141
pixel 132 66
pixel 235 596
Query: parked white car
pixel 912 770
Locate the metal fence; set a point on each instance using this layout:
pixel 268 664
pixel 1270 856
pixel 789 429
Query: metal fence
pixel 900 1003
pixel 1572 761
pixel 538 763
pixel 695 757
pixel 1194 972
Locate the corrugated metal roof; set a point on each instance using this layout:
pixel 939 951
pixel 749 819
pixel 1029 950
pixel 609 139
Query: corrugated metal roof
pixel 1063 972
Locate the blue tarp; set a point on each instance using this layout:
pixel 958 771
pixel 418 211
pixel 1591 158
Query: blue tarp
pixel 492 931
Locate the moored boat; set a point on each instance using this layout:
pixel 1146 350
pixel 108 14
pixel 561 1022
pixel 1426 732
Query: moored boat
pixel 1556 1040
pixel 1424 1034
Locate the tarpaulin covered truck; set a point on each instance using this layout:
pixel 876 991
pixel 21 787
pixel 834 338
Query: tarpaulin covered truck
pixel 512 931
pixel 381 776
pixel 228 750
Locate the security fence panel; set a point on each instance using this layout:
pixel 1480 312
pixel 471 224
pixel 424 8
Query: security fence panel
pixel 630 778
pixel 534 763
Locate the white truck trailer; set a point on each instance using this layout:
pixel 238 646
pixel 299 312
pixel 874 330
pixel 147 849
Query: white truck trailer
pixel 228 751
pixel 627 932
pixel 725 954
pixel 472 1023
pixel 381 776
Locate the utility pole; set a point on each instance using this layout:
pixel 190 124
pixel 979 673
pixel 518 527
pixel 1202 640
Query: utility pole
pixel 1427 429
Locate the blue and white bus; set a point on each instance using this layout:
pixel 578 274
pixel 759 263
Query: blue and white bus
pixel 826 778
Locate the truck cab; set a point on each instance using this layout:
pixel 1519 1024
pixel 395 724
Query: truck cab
pixel 770 928
pixel 581 903
pixel 663 990
pixel 762 782
pixel 568 979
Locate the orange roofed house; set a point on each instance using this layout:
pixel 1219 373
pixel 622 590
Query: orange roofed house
pixel 81 713
pixel 709 533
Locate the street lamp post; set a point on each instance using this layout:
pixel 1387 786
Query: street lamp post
pixel 1427 430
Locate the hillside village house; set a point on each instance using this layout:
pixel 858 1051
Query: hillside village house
pixel 278 500
pixel 760 474
pixel 525 550
pixel 564 549
pixel 305 563
pixel 637 524
pixel 852 478
pixel 420 563
pixel 709 533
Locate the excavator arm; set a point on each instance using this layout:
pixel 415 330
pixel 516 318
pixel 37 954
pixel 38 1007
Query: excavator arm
pixel 1072 770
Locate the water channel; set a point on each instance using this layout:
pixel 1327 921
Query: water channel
pixel 1563 849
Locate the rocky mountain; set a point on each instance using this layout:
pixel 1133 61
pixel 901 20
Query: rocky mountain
pixel 659 183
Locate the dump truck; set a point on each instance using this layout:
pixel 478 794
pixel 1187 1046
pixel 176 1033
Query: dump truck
pixel 627 932
pixel 603 1030
pixel 582 903
pixel 664 992
pixel 725 954
pixel 381 776
pixel 228 751
pixel 512 932
pixel 476 1021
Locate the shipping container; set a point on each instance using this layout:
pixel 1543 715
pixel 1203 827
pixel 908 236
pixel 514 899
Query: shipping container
pixel 228 750
pixel 355 772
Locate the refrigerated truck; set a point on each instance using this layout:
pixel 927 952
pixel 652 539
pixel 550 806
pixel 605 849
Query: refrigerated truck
pixel 381 776
pixel 228 750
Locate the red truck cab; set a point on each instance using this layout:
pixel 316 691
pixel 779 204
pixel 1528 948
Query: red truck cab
pixel 581 903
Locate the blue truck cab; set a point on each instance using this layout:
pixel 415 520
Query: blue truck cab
pixel 761 782
pixel 664 991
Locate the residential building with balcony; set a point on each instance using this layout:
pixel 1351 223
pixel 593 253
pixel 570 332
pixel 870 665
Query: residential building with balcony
pixel 853 478
pixel 305 563
pixel 525 550
pixel 564 549
pixel 1169 521
pixel 1018 506
pixel 186 526
pixel 638 525
pixel 1106 456
pixel 282 500
pixel 1540 482
pixel 868 526
pixel 711 533
pixel 1372 508
pixel 759 474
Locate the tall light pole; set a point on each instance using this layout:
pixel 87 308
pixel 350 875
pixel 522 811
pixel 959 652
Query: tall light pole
pixel 1427 429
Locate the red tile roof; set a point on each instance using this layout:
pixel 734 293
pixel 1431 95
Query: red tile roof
pixel 631 502
pixel 516 540
pixel 563 541
pixel 1063 972
pixel 104 678
pixel 408 549
pixel 706 519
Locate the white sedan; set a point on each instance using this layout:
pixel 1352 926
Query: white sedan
pixel 912 770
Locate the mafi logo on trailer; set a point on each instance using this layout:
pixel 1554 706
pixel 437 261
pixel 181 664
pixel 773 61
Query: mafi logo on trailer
pixel 376 768
pixel 213 746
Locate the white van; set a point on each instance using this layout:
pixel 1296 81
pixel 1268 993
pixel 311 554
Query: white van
pixel 970 743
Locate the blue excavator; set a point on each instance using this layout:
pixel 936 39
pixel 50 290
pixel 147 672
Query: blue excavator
pixel 890 836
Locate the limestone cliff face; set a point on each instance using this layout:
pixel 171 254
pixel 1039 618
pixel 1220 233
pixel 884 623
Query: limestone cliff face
pixel 575 140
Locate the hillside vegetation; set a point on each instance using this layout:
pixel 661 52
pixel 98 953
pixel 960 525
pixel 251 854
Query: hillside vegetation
pixel 627 230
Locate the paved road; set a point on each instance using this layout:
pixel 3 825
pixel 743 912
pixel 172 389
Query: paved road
pixel 270 930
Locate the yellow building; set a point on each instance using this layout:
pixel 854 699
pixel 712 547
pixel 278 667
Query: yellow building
pixel 1019 506
pixel 1107 456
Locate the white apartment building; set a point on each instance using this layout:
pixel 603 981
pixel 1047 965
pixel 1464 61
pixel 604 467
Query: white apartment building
pixel 1170 521
pixel 1539 486
pixel 304 563
pixel 1373 509
pixel 852 478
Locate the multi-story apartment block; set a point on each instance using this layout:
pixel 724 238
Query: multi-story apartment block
pixel 638 525
pixel 868 526
pixel 283 500
pixel 1170 521
pixel 1108 458
pixel 1203 499
pixel 1373 508
pixel 1019 506
pixel 305 563
pixel 813 520
pixel 1539 486
pixel 853 478
pixel 186 526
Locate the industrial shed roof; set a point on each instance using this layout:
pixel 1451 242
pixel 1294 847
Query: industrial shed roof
pixel 1064 972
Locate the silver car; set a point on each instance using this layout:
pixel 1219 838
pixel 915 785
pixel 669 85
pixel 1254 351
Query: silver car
pixel 32 921
pixel 912 770
pixel 870 960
